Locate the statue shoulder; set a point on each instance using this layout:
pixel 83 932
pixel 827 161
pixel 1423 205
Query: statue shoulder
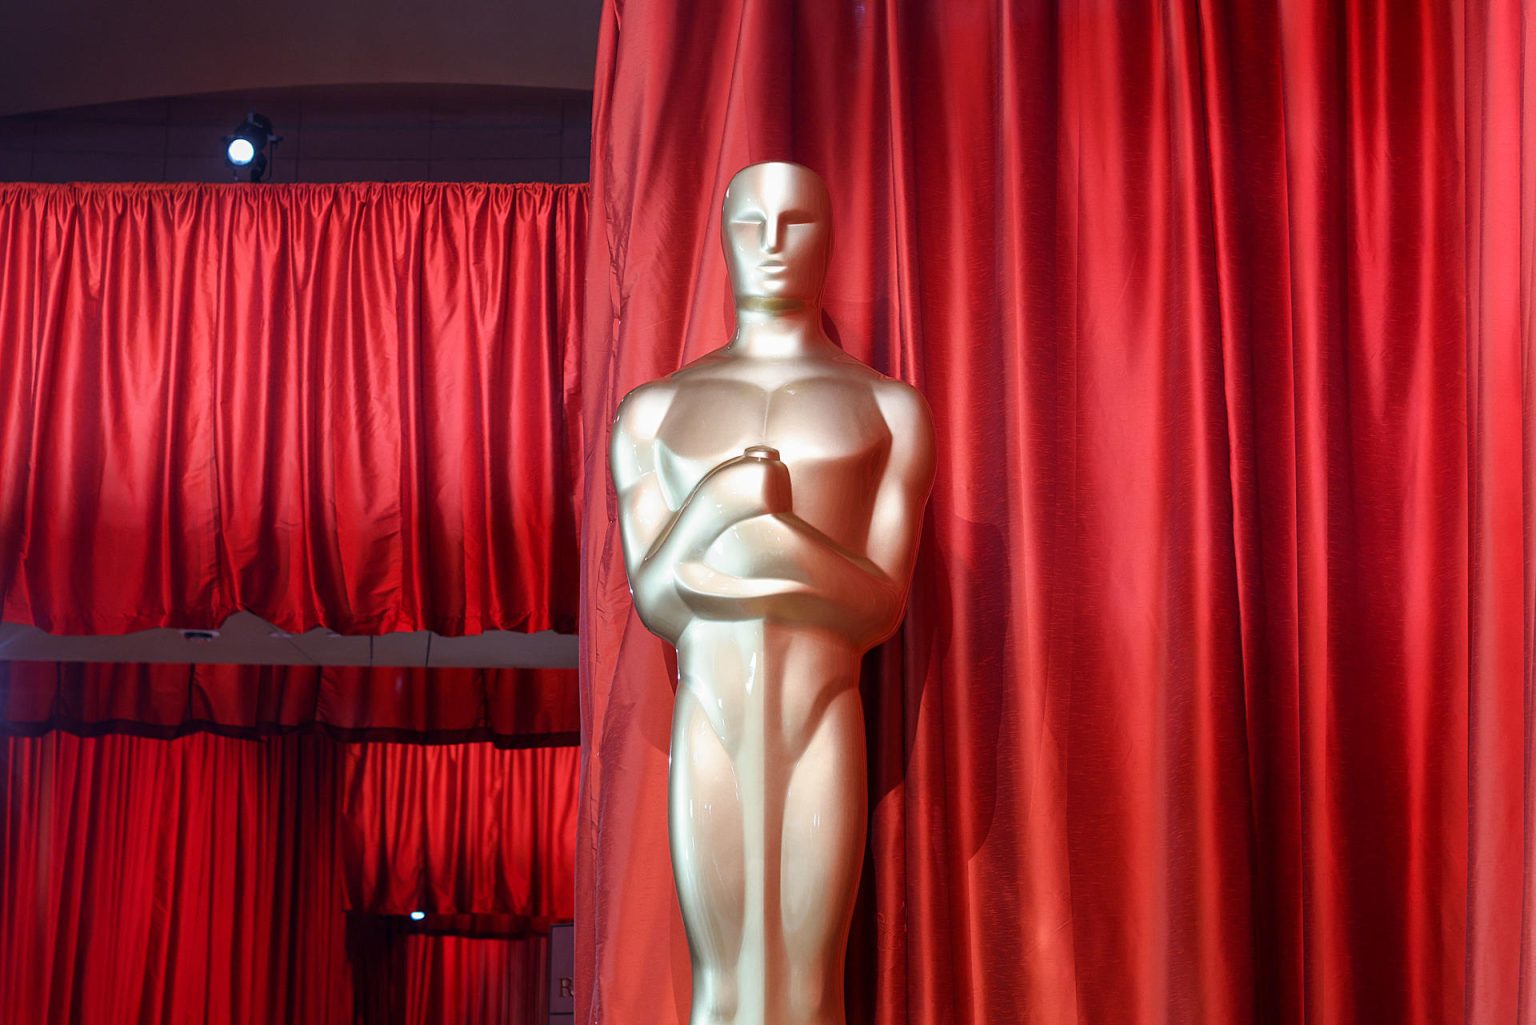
pixel 904 408
pixel 913 446
pixel 640 413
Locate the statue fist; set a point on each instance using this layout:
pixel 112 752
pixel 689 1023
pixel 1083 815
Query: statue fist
pixel 755 483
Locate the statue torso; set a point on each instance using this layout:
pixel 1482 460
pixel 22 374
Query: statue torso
pixel 821 413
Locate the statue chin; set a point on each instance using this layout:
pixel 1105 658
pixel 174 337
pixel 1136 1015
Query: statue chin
pixel 767 302
pixel 806 475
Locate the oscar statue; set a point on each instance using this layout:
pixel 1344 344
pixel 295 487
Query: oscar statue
pixel 770 496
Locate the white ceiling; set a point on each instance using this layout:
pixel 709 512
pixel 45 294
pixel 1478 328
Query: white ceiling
pixel 245 639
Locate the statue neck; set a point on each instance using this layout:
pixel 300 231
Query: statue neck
pixel 774 329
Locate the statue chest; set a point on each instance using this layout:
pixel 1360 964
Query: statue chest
pixel 829 432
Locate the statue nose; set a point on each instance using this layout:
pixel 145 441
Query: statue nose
pixel 773 236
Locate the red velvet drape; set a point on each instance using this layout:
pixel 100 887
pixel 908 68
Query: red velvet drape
pixel 209 878
pixel 348 405
pixel 1214 696
pixel 510 707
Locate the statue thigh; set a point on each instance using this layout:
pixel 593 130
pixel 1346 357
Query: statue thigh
pixel 821 826
pixel 822 854
pixel 707 856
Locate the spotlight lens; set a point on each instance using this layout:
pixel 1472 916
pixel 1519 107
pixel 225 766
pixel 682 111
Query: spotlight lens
pixel 417 916
pixel 241 152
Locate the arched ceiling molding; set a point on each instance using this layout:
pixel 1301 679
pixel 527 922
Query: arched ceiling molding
pixel 73 53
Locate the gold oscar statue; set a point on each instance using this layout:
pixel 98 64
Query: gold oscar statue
pixel 770 498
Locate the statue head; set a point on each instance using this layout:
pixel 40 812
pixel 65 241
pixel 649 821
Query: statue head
pixel 776 225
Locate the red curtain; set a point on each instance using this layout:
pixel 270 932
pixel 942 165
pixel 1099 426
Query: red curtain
pixel 1213 701
pixel 339 405
pixel 171 881
pixel 481 830
pixel 208 878
pixel 475 979
pixel 510 707
pixel 424 977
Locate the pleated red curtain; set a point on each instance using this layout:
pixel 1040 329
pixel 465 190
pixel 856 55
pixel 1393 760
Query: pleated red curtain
pixel 339 405
pixel 459 829
pixel 474 979
pixel 219 879
pixel 429 977
pixel 1213 701
pixel 511 707
pixel 160 881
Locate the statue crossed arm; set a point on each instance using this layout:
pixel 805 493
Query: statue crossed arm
pixel 770 496
pixel 734 548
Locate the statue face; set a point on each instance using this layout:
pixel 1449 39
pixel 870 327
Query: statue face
pixel 777 228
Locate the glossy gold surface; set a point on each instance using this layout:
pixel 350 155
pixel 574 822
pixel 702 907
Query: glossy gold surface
pixel 770 498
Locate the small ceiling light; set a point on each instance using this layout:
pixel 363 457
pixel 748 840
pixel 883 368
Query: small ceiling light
pixel 241 151
pixel 246 149
pixel 417 916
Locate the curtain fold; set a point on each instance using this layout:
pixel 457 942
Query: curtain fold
pixel 460 829
pixel 189 880
pixel 473 979
pixel 426 977
pixel 512 707
pixel 341 405
pixel 1500 252
pixel 1213 701
pixel 210 878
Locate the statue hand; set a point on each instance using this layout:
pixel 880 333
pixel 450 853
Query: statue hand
pixel 753 484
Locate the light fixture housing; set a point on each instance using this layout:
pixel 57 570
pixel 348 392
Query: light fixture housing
pixel 245 149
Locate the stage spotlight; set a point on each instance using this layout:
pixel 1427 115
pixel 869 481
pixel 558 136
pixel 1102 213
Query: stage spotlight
pixel 246 149
pixel 417 916
pixel 241 152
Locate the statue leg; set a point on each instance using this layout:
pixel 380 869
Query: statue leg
pixel 823 851
pixel 705 823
